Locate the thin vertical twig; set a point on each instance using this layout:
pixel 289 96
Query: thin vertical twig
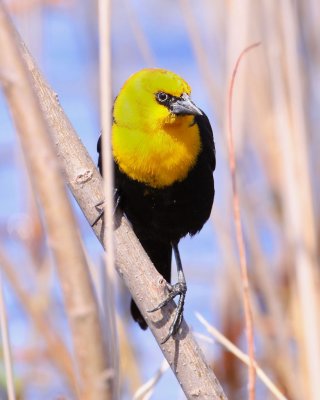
pixel 239 232
pixel 200 53
pixel 106 122
pixel 7 354
pixel 140 37
pixel 107 162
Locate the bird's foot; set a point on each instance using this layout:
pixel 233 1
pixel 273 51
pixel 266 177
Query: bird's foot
pixel 100 211
pixel 100 207
pixel 179 289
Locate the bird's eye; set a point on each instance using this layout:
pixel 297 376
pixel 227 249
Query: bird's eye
pixel 162 97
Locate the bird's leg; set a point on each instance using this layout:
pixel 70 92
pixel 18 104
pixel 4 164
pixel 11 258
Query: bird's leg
pixel 101 209
pixel 179 289
pixel 101 212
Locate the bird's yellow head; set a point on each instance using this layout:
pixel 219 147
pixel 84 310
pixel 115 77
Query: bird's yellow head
pixel 148 98
pixel 154 138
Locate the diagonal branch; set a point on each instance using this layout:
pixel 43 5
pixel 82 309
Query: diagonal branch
pixel 44 169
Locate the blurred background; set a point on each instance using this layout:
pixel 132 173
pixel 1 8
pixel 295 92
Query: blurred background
pixel 276 134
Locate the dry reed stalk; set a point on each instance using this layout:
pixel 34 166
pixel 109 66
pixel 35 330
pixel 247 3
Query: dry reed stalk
pixel 262 207
pixel 241 356
pixel 139 35
pixel 238 24
pixel 6 346
pixel 104 14
pixel 201 56
pixel 56 349
pixel 283 128
pixel 266 283
pixel 239 233
pixel 230 299
pixel 146 390
pixel 259 124
pixel 81 305
pixel 132 263
pixel 297 203
pixel 305 237
pixel 128 361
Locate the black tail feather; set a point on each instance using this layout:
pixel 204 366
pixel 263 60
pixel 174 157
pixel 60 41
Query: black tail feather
pixel 160 254
pixel 137 316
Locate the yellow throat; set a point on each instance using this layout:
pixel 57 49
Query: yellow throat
pixel 151 144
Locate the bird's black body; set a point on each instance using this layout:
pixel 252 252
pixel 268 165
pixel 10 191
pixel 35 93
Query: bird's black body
pixel 160 217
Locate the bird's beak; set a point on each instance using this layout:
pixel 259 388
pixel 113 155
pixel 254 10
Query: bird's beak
pixel 184 106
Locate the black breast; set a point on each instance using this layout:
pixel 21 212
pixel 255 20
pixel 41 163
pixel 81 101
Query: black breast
pixel 175 211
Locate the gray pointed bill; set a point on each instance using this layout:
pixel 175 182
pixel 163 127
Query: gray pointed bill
pixel 184 106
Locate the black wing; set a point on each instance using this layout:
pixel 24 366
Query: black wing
pixel 207 138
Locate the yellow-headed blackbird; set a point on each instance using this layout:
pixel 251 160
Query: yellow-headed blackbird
pixel 164 157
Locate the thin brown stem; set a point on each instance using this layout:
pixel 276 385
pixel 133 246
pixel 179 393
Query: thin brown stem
pixel 239 233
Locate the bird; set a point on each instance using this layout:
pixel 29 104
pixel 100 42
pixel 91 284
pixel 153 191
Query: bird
pixel 164 158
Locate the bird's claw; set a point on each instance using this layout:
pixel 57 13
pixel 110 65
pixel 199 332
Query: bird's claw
pixel 101 212
pixel 179 289
pixel 100 207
